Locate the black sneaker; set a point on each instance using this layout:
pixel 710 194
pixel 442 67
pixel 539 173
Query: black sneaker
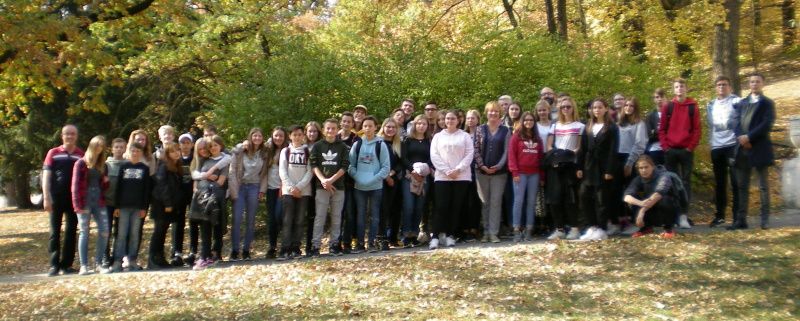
pixel 190 259
pixel 333 250
pixel 372 248
pixel 246 256
pixel 53 271
pixel 234 256
pixel 271 254
pixel 283 256
pixel 177 261
pixel 717 222
pixel 68 270
pixel 297 255
pixel 384 246
pixel 313 252
pixel 358 249
pixel 346 250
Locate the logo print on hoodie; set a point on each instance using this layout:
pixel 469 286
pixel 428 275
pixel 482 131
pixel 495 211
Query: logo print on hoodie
pixel 330 158
pixel 133 173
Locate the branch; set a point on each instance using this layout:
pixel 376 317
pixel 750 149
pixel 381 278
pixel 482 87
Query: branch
pixel 7 55
pixel 442 16
pixel 132 10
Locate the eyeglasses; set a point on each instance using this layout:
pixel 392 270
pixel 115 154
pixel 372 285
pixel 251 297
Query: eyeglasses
pixel 566 107
pixel 528 119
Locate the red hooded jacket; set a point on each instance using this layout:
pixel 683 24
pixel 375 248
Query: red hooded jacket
pixel 678 130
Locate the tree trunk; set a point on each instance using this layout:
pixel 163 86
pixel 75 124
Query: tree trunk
pixel 509 8
pixel 726 45
pixel 582 17
pixel 633 24
pixel 551 17
pixel 789 24
pixel 23 190
pixel 755 6
pixel 561 9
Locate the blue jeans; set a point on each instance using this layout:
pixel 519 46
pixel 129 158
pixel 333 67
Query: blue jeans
pixel 275 216
pixel 248 199
pixel 413 207
pixel 527 187
pixel 374 199
pixel 101 219
pixel 129 229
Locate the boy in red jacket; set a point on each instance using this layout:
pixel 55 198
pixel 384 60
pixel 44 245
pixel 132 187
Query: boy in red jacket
pixel 679 133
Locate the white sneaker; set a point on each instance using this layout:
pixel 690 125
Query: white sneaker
pixel 450 241
pixel 613 229
pixel 588 234
pixel 683 222
pixel 573 234
pixel 84 270
pixel 442 236
pixel 598 235
pixel 434 244
pixel 557 235
pixel 630 230
pixel 100 269
pixel 125 263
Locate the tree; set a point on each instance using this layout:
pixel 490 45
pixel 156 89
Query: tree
pixel 789 23
pixel 561 9
pixel 726 44
pixel 551 17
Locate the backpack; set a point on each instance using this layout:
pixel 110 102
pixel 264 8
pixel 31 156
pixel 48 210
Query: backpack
pixel 671 106
pixel 678 191
pixel 357 146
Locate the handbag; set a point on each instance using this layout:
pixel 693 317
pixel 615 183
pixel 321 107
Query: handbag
pixel 205 205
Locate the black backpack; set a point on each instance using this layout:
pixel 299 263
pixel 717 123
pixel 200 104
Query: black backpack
pixel 678 191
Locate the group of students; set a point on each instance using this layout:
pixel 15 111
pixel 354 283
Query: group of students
pixel 436 178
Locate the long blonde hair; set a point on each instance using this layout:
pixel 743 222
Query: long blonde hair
pixel 413 132
pixel 563 119
pixel 92 157
pixel 201 143
pixel 397 143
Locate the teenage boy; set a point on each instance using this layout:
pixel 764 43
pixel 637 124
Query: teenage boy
pixel 755 116
pixel 431 114
pixel 57 199
pixel 721 120
pixel 359 112
pixel 186 144
pixel 295 173
pixel 407 105
pixel 329 161
pixel 166 134
pixel 113 163
pixel 652 121
pixel 679 133
pixel 133 198
pixel 348 137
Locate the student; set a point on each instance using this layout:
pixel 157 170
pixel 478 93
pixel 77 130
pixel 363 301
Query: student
pixel 201 153
pixel 513 116
pixel 722 121
pixel 359 112
pixel 651 193
pixel 440 124
pixel 313 132
pixel 491 142
pixel 348 137
pixel 472 218
pixel 398 116
pixel 369 166
pixel 274 209
pixel 165 200
pixel 452 153
pixel 679 133
pixel 113 162
pixel 186 143
pixel 525 151
pixel 148 158
pixel 597 164
pixel 407 105
pixel 652 120
pixel 166 134
pixel 247 185
pixel 391 202
pixel 616 108
pixel 215 182
pixel 89 183
pixel 755 116
pixel 431 115
pixel 632 142
pixel 416 160
pixel 329 159
pixel 542 224
pixel 562 181
pixel 295 172
pixel 57 199
pixel 133 198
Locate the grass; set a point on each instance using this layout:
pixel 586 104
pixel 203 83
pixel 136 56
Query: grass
pixel 743 275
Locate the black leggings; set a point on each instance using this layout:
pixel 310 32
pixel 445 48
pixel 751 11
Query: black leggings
pixel 596 202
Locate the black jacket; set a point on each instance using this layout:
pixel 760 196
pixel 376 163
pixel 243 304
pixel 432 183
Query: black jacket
pixel 598 154
pixel 651 123
pixel 762 118
pixel 166 193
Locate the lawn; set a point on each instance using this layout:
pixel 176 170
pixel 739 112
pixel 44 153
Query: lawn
pixel 753 275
